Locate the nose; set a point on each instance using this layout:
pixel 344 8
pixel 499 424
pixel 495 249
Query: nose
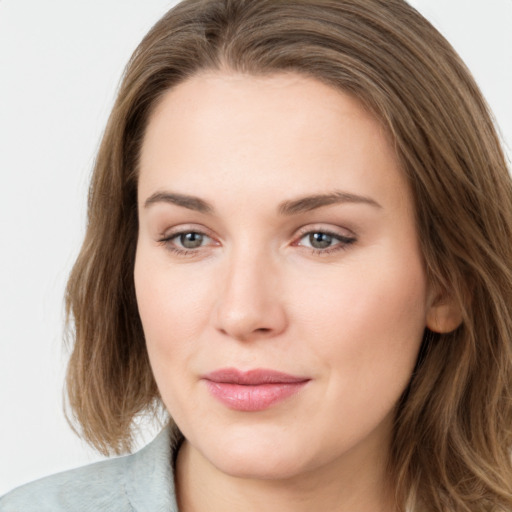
pixel 249 303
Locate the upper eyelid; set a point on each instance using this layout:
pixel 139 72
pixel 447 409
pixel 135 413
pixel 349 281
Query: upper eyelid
pixel 185 228
pixel 339 231
pixel 180 233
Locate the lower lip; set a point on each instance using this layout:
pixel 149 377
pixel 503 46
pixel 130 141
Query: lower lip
pixel 253 397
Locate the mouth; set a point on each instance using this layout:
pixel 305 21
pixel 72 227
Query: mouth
pixel 254 390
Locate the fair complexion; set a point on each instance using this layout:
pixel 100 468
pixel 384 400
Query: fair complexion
pixel 277 232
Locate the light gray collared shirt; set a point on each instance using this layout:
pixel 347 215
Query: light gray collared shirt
pixel 142 482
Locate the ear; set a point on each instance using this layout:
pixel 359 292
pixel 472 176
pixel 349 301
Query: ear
pixel 444 314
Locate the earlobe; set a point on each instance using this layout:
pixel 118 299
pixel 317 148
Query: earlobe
pixel 444 315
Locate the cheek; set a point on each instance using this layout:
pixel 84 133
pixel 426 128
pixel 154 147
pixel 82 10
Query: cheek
pixel 173 307
pixel 364 337
pixel 170 297
pixel 369 320
pixel 169 311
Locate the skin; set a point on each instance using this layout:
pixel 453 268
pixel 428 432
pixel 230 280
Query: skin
pixel 258 292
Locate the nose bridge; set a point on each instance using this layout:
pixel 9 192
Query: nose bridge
pixel 249 303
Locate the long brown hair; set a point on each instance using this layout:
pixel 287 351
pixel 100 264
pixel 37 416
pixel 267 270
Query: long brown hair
pixel 452 436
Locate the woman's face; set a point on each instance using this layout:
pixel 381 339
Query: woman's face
pixel 278 275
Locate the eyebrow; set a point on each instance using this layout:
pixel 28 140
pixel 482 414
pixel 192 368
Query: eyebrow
pixel 286 208
pixel 185 201
pixel 308 203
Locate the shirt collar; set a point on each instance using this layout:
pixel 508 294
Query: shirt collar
pixel 149 475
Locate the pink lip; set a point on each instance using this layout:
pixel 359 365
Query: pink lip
pixel 254 390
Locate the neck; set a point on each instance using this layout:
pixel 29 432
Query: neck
pixel 342 486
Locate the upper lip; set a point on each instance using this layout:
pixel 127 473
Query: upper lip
pixel 252 377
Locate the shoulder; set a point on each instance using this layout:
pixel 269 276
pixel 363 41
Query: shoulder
pixel 139 482
pixel 93 487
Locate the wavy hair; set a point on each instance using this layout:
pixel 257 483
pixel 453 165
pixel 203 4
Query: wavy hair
pixel 452 434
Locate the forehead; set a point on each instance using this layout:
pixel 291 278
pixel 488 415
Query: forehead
pixel 284 132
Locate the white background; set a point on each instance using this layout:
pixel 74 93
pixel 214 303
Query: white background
pixel 60 64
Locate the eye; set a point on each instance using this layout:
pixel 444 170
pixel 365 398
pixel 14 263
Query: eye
pixel 320 240
pixel 186 242
pixel 324 242
pixel 191 240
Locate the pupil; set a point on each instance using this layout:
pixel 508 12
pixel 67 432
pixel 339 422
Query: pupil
pixel 191 240
pixel 320 240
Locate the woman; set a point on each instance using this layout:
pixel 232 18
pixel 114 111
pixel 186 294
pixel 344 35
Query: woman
pixel 299 245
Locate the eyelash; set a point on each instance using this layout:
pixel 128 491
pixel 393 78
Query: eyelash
pixel 342 245
pixel 343 242
pixel 167 241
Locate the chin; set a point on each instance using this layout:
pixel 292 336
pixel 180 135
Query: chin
pixel 264 465
pixel 257 453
